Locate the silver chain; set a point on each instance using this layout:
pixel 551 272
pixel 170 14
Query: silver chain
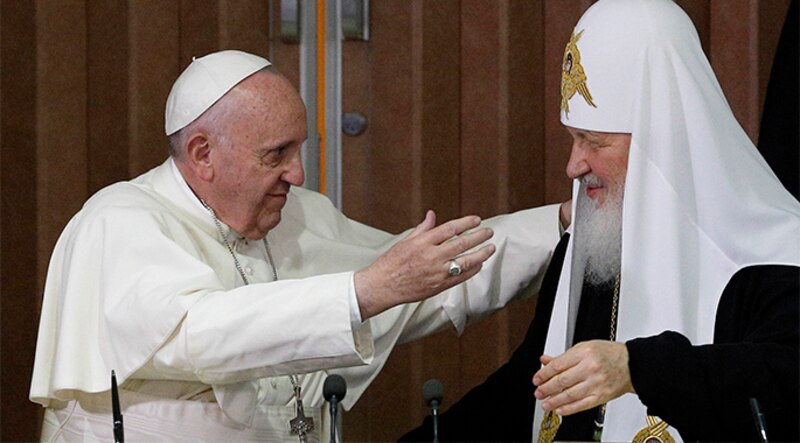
pixel 292 377
pixel 233 254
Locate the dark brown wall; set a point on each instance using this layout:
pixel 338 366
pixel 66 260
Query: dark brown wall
pixel 461 98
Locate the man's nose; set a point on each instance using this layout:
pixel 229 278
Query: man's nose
pixel 294 174
pixel 577 166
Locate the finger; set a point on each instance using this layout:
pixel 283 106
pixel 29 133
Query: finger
pixel 556 366
pixel 558 384
pixel 469 261
pixel 458 245
pixel 428 223
pixel 465 275
pixel 577 398
pixel 450 229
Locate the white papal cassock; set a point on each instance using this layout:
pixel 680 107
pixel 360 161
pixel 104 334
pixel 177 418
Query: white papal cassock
pixel 141 282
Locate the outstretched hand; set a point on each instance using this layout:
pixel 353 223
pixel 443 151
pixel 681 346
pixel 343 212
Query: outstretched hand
pixel 417 267
pixel 589 374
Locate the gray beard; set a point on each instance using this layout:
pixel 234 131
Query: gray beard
pixel 598 234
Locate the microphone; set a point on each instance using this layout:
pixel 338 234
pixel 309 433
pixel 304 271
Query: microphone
pixel 432 394
pixel 334 391
pixel 119 432
pixel 758 418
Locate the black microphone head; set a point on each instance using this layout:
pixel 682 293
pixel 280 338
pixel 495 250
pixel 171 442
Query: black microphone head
pixel 334 386
pixel 432 391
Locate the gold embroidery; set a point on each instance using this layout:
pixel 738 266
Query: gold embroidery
pixel 550 423
pixel 654 432
pixel 573 78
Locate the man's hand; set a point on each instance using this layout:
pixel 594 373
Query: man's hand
pixel 587 375
pixel 417 267
pixel 565 214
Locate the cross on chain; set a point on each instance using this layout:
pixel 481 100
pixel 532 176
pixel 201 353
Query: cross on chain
pixel 300 425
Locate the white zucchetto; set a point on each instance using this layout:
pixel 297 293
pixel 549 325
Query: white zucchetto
pixel 204 82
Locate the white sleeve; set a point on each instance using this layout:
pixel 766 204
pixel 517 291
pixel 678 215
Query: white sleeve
pixel 525 241
pixel 268 329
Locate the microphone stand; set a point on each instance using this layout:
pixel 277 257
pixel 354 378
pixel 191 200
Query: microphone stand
pixel 334 391
pixel 432 394
pixel 119 431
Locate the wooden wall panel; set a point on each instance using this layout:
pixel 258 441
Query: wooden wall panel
pixel 154 63
pixel 194 15
pixel 771 15
pixel 484 160
pixel 107 92
pixel 700 14
pixel 526 142
pixel 61 121
pixel 18 209
pixel 559 21
pixel 244 25
pixel 735 60
pixel 395 53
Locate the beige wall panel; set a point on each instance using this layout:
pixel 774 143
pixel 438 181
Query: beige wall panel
pixel 107 93
pixel 154 65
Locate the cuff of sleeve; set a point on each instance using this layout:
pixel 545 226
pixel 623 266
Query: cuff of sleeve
pixel 355 310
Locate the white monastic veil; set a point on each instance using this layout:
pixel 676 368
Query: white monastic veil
pixel 700 201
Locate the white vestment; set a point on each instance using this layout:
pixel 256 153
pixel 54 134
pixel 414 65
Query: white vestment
pixel 140 282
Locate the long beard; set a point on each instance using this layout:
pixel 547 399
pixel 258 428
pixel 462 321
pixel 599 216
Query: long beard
pixel 598 231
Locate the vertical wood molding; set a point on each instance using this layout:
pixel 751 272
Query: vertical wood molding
pixel 61 120
pixel 108 77
pixel 153 33
pixel 244 25
pixel 20 419
pixel 193 16
pixel 733 38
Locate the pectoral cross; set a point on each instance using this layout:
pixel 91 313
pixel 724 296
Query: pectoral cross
pixel 300 425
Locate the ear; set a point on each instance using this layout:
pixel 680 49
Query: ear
pixel 198 153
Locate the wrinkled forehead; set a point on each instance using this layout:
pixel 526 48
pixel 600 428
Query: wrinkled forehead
pixel 605 55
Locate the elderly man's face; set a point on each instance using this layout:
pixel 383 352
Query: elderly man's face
pixel 257 158
pixel 600 160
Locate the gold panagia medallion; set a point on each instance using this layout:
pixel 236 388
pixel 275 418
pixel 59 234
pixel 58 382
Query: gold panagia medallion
pixel 655 432
pixel 573 78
